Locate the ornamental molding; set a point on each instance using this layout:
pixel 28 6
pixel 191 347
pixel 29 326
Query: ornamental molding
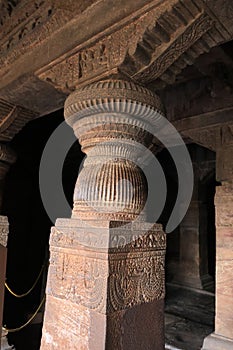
pixel 19 34
pixel 139 239
pixel 25 24
pixel 109 281
pixel 129 280
pixel 154 47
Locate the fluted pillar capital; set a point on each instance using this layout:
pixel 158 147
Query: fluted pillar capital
pixel 112 120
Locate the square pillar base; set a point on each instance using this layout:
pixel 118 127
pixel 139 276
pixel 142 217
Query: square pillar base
pixel 217 342
pixel 105 287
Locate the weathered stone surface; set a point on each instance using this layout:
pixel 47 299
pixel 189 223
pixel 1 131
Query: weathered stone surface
pixel 112 120
pixel 224 158
pixel 4 230
pixel 224 258
pixel 107 263
pixel 100 298
pixel 148 41
pixel 223 336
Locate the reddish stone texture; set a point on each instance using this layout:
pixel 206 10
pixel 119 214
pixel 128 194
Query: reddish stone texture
pixel 79 328
pixel 224 260
pixel 140 327
pixel 105 282
pixel 66 325
pixel 100 298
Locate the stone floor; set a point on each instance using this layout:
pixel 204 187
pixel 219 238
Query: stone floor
pixel 189 318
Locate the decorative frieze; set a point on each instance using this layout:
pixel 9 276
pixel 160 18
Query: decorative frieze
pixel 131 275
pixel 156 46
pixel 138 236
pixel 30 15
pixel 191 34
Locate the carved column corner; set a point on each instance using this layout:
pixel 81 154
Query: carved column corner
pixel 4 230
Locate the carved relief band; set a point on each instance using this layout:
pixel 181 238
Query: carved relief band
pixel 154 47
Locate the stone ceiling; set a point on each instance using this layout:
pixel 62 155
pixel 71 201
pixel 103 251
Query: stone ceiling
pixel 48 48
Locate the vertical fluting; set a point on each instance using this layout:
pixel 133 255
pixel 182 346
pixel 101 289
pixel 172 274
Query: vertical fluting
pixel 112 120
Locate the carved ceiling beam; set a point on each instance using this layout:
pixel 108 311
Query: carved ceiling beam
pixel 50 29
pixel 211 130
pixel 12 119
pixel 158 45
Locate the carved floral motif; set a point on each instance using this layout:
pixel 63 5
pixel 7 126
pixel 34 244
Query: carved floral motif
pixel 129 278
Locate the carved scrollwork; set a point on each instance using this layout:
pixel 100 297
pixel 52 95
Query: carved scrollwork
pixel 156 46
pixel 85 287
pixel 135 280
pixel 131 280
pixel 192 34
pixel 107 279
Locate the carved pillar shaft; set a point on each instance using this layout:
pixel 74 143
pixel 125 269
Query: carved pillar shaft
pixel 106 278
pixel 223 336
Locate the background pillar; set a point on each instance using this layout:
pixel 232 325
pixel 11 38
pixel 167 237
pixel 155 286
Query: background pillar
pixel 192 270
pixel 223 336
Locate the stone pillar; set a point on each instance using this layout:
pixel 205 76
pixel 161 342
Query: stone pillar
pixel 3 254
pixel 192 271
pixel 105 286
pixel 7 157
pixel 222 338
